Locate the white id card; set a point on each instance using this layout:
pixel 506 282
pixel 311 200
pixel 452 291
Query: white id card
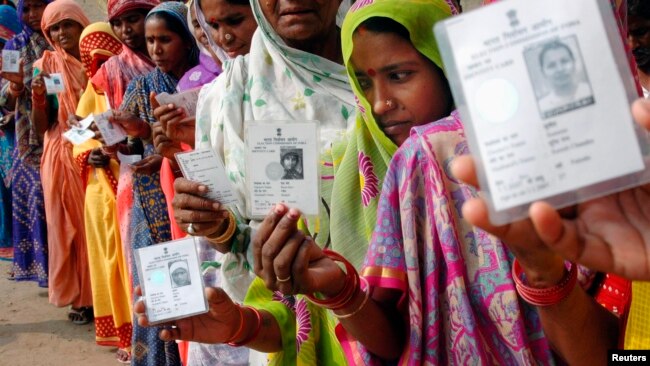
pixel 10 61
pixel 282 166
pixel 78 135
pixel 111 133
pixel 54 84
pixel 186 100
pixel 170 276
pixel 205 166
pixel 545 99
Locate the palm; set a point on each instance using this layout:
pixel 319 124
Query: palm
pixel 610 234
pixel 218 325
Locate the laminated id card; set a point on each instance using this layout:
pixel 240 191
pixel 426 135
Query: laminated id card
pixel 171 280
pixel 10 61
pixel 54 84
pixel 545 98
pixel 282 166
pixel 205 166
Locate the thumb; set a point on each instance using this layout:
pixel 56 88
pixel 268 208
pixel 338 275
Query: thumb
pixel 153 101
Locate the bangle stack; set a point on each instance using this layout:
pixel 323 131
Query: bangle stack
pixel 227 235
pixel 545 296
pixel 346 297
pixel 16 92
pixel 258 326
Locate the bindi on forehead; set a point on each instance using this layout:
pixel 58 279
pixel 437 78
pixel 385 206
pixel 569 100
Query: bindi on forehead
pixel 371 72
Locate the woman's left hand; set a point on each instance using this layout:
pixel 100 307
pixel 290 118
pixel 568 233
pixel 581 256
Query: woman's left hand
pixel 174 121
pixel 289 261
pixel 148 166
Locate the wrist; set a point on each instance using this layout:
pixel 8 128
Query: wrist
pixel 544 296
pixel 547 274
pixel 16 89
pixel 336 286
pixel 250 326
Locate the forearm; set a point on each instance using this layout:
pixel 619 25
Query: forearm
pixel 269 338
pixel 40 118
pixel 579 329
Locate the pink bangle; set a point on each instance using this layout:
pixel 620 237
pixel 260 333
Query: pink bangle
pixel 545 296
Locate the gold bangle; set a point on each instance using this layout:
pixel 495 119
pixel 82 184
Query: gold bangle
pixel 228 234
pixel 363 303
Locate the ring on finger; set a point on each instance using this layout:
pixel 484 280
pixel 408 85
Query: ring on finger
pixel 283 280
pixel 190 229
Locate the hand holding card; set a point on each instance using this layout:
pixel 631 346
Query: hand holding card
pixel 10 61
pixel 170 276
pixel 111 133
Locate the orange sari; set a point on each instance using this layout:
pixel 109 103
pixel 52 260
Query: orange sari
pixel 69 277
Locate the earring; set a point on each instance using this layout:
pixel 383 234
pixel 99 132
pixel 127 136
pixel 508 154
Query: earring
pixel 390 103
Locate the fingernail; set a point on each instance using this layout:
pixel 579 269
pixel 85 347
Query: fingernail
pixel 216 205
pixel 293 214
pixel 203 189
pixel 279 209
pixel 225 214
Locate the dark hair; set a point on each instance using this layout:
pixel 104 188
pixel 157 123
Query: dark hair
pixel 638 8
pixel 173 24
pixel 554 46
pixel 385 25
pixel 7 2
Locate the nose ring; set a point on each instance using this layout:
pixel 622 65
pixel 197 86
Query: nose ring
pixel 390 103
pixel 228 37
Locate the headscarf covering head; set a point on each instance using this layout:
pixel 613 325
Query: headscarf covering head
pixel 62 10
pixel 19 10
pixel 97 44
pixel 117 8
pixel 360 176
pixel 177 12
pixel 9 23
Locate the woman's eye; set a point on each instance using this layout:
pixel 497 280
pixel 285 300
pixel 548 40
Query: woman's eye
pixel 400 76
pixel 234 21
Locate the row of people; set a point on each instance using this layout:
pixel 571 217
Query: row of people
pixel 439 285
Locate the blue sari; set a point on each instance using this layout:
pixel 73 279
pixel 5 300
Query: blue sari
pixel 149 217
pixel 29 236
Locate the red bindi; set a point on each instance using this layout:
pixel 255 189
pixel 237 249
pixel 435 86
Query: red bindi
pixel 371 72
pixel 213 20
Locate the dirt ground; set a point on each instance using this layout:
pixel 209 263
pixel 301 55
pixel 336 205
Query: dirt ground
pixel 33 332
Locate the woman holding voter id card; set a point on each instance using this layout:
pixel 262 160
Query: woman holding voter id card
pixel 69 281
pixel 29 224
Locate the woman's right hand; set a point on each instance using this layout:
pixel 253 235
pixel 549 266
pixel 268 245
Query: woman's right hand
pixel 191 207
pixel 289 261
pixel 38 84
pixel 16 78
pixel 219 325
pixel 98 159
pixel 132 125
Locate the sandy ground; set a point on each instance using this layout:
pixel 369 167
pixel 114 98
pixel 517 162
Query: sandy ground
pixel 33 332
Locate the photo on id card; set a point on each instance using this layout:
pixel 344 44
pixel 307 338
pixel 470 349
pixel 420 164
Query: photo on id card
pixel 282 166
pixel 545 101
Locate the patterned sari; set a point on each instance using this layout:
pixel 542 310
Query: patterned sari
pixel 149 222
pixel 9 26
pixel 455 279
pixel 108 272
pixel 277 82
pixel 29 228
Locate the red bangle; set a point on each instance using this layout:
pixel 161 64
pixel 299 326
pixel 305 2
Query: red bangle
pixel 343 298
pixel 544 296
pixel 253 335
